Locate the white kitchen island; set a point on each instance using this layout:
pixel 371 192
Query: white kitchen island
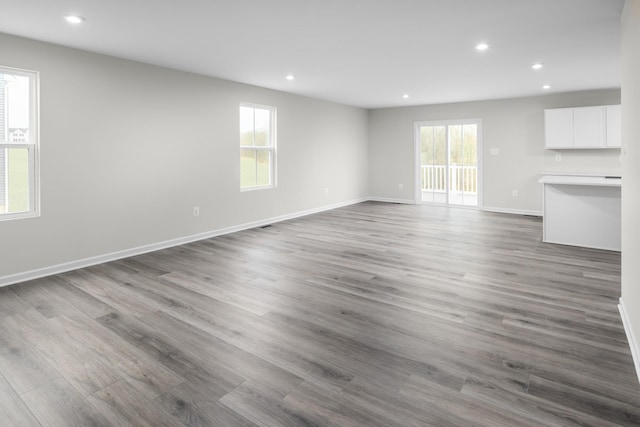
pixel 582 210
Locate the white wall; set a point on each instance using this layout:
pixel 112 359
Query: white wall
pixel 630 300
pixel 127 151
pixel 514 126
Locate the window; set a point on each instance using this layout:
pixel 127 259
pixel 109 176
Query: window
pixel 18 143
pixel 257 146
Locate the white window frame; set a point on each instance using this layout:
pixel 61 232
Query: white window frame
pixel 32 144
pixel 271 148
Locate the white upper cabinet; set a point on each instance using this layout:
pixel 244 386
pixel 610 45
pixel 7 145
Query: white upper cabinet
pixel 588 127
pixel 558 124
pixel 614 126
pixel 582 127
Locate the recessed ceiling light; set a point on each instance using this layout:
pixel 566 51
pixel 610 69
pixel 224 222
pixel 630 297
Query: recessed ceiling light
pixel 546 87
pixel 290 77
pixel 482 46
pixel 537 66
pixel 405 96
pixel 74 19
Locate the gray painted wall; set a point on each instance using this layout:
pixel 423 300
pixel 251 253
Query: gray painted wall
pixel 514 126
pixel 631 170
pixel 127 151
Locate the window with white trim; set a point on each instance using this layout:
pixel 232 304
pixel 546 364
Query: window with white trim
pixel 257 146
pixel 18 143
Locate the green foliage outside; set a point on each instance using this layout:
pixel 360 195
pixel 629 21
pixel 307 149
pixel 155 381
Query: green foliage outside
pixel 254 164
pixel 462 140
pixel 18 176
pixel 463 151
pixel 259 139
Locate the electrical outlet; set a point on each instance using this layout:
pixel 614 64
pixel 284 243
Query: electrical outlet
pixel 558 157
pixel 196 211
pixel 326 190
pixel 401 186
pixel 514 193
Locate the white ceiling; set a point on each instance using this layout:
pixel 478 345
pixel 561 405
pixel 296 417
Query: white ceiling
pixel 365 53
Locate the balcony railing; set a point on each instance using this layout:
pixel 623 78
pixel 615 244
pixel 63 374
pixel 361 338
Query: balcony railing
pixel 462 179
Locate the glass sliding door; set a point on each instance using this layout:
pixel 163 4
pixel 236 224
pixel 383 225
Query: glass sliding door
pixel 447 162
pixel 433 163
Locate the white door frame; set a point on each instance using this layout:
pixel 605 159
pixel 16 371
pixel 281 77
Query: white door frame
pixel 417 196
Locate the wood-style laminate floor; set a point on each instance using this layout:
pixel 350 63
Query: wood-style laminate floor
pixel 370 315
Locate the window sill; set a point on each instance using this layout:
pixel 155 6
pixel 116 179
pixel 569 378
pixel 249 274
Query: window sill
pixel 261 187
pixel 21 215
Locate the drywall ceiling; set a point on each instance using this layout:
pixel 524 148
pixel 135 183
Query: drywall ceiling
pixel 366 53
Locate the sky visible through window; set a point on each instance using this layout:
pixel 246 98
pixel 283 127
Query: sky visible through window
pixel 17 88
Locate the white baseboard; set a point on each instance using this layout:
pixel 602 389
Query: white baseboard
pixel 487 209
pixel 388 200
pixel 113 256
pixel 631 337
pixel 87 262
pixel 512 211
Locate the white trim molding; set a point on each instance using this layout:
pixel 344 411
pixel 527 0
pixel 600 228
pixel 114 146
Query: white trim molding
pixel 512 211
pixel 113 256
pixel 633 344
pixel 390 200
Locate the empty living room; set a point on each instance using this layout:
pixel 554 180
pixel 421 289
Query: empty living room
pixel 320 213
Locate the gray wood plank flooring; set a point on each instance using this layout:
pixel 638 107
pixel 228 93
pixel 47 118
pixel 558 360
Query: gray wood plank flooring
pixel 370 315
